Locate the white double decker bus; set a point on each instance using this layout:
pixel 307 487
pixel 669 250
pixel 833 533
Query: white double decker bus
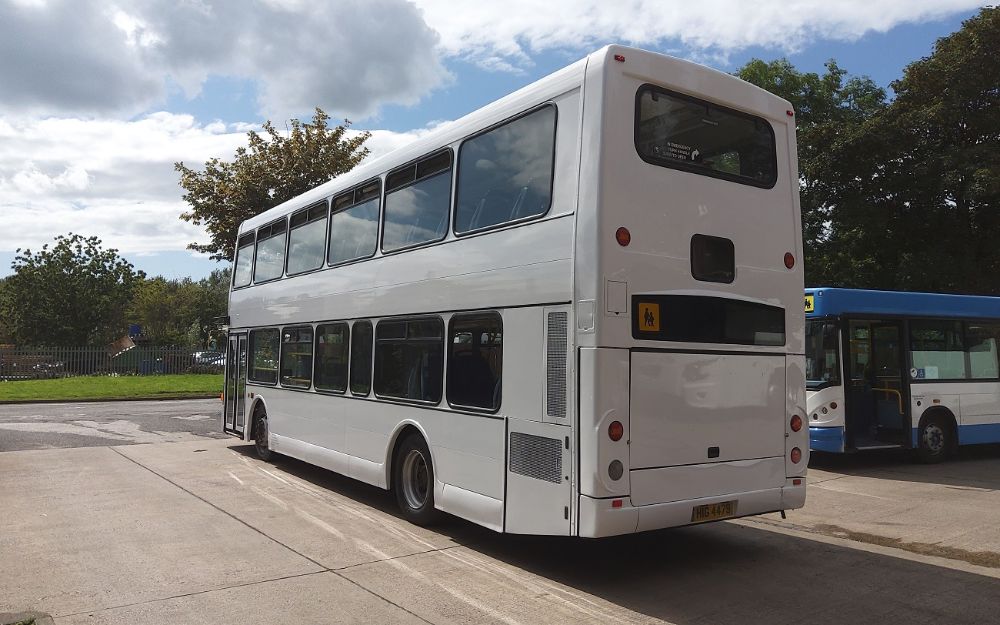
pixel 575 311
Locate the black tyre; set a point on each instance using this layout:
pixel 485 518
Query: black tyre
pixel 260 435
pixel 935 439
pixel 413 481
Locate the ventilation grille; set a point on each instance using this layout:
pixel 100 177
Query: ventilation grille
pixel 555 366
pixel 539 457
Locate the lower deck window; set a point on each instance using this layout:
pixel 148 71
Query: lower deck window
pixel 296 356
pixel 331 357
pixel 361 358
pixel 409 359
pixel 263 356
pixel 475 358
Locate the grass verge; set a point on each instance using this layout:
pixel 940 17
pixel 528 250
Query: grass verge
pixel 105 387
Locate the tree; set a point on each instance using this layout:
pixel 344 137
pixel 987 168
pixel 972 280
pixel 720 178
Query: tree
pixel 181 312
pixel 917 186
pixel 72 293
pixel 828 109
pixel 268 172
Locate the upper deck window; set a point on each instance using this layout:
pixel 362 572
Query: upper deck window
pixel 269 260
pixel 681 132
pixel 417 199
pixel 307 239
pixel 354 225
pixel 505 174
pixel 244 260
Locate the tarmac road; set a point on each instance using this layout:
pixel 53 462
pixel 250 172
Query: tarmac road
pixel 90 424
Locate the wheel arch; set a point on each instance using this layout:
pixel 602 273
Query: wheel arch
pixel 258 403
pixel 940 412
pixel 399 434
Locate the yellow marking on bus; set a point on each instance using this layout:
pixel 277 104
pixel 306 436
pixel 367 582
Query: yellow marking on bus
pixel 810 305
pixel 649 317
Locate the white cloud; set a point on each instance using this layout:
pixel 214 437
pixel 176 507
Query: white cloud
pixel 88 57
pixel 504 35
pixel 113 179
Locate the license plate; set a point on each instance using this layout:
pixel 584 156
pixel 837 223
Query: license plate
pixel 713 511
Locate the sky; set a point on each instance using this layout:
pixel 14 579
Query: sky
pixel 99 99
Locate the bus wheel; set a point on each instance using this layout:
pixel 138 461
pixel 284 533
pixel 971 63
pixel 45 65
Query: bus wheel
pixel 935 440
pixel 260 438
pixel 413 481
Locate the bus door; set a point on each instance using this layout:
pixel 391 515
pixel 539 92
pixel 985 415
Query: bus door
pixel 876 411
pixel 234 417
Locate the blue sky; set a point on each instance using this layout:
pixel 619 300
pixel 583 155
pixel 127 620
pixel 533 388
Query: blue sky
pixel 96 156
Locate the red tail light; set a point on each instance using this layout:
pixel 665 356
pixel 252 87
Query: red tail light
pixel 796 455
pixel 616 430
pixel 789 260
pixel 623 236
pixel 796 423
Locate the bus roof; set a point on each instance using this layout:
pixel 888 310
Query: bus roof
pixel 766 104
pixel 831 301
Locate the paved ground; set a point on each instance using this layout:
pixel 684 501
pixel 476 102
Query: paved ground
pixel 47 426
pixel 199 531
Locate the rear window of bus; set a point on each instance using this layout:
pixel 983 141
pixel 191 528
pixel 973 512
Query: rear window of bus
pixel 680 132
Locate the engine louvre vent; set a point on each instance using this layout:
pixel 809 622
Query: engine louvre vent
pixel 555 365
pixel 539 457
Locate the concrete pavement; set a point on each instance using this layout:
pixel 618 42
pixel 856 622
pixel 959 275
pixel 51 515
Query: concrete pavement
pixel 201 532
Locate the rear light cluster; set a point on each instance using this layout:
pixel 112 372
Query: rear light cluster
pixel 796 423
pixel 615 432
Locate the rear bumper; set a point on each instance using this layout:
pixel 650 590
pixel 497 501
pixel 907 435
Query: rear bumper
pixel 599 518
pixel 827 439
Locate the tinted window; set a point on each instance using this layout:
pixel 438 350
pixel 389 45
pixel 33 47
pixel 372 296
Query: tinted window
pixel 713 259
pixel 505 174
pixel 822 360
pixel 982 347
pixel 409 359
pixel 936 350
pixel 307 239
pixel 682 132
pixel 331 357
pixel 263 366
pixel 361 358
pixel 354 232
pixel 243 272
pixel 697 319
pixel 417 212
pixel 270 257
pixel 296 356
pixel 475 359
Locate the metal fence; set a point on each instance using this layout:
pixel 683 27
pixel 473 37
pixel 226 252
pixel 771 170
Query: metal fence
pixel 33 363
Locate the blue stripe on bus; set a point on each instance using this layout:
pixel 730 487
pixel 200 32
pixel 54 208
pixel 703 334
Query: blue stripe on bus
pixel 976 434
pixel 827 439
pixel 970 434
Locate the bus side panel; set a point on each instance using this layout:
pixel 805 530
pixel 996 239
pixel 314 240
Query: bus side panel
pixel 539 490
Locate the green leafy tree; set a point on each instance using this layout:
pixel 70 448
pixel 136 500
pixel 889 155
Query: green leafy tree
pixel 181 312
pixel 829 109
pixel 270 170
pixel 916 187
pixel 72 293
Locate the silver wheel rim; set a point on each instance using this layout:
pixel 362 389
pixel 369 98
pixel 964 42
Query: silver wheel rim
pixel 261 440
pixel 933 437
pixel 415 479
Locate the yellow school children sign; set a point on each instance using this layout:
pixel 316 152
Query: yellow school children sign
pixel 810 305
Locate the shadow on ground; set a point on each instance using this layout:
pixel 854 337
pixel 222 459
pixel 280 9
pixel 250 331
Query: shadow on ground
pixel 720 573
pixel 973 466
